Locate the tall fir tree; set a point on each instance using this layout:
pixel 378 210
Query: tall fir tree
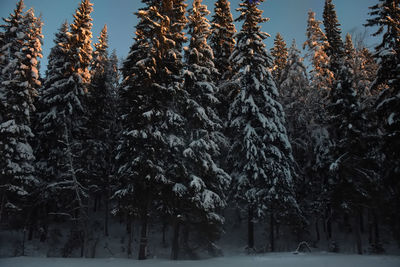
pixel 334 50
pixel 63 119
pixel 295 93
pixel 349 175
pixel 102 124
pixel 297 100
pixel 8 47
pixel 156 102
pixel 321 76
pixel 386 16
pixel 207 183
pixel 261 153
pixel 280 55
pixel 20 79
pixel 222 39
pixel 138 139
pixel 80 40
pixel 222 42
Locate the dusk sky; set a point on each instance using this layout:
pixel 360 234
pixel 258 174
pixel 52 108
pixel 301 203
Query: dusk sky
pixel 289 17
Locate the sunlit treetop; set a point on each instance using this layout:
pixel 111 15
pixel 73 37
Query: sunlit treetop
pixel 253 1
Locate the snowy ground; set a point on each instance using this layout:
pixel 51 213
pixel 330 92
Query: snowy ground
pixel 266 260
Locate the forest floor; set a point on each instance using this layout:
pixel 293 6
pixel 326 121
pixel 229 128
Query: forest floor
pixel 319 259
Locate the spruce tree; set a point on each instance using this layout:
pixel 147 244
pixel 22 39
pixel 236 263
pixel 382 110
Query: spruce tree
pixel 280 55
pixel 153 132
pixel 334 50
pixel 102 123
pixel 297 100
pixel 140 178
pixel 295 96
pixel 222 39
pixel 261 153
pixel 22 47
pixel 321 77
pixel 60 111
pixel 222 42
pixel 63 119
pixel 206 181
pixel 385 15
pixel 349 173
pixel 80 40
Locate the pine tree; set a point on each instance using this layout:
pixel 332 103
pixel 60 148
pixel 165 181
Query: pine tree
pixel 222 39
pixel 386 16
pixel 207 182
pixel 261 152
pixel 21 49
pixel 316 43
pixel 280 55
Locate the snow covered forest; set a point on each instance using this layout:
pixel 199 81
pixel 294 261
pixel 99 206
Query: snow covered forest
pixel 202 138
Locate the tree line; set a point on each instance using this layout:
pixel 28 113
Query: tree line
pixel 179 132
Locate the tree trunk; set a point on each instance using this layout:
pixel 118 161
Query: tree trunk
pixel 250 229
pixel 164 232
pixel 186 247
pixel 2 204
pixel 357 232
pixel 362 229
pixel 129 230
pixel 96 198
pixel 175 240
pixel 106 212
pixel 317 230
pixel 376 228
pixel 277 230
pixel 143 236
pixel 271 234
pixel 329 223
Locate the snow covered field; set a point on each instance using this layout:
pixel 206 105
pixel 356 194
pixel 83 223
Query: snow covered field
pixel 266 260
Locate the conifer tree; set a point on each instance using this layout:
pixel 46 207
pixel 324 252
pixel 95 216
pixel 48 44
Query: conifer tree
pixel 206 181
pixel 22 47
pixel 316 43
pixel 349 174
pixel 222 39
pixel 334 50
pixel 386 16
pixel 365 72
pixel 102 124
pixel 63 118
pixel 297 99
pixel 59 114
pixel 294 97
pixel 261 152
pixel 280 55
pixel 152 117
pixel 222 42
pixel 80 40
pixel 138 139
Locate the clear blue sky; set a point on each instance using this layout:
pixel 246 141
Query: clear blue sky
pixel 289 17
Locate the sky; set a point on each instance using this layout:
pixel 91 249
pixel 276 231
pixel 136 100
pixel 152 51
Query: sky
pixel 289 17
